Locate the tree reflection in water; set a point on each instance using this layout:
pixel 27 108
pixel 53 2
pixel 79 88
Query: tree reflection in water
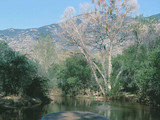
pixel 113 110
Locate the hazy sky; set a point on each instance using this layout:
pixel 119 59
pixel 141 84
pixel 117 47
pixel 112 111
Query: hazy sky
pixel 36 13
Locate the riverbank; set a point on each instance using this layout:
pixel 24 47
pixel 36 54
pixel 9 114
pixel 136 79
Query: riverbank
pixel 114 110
pixel 123 97
pixel 11 102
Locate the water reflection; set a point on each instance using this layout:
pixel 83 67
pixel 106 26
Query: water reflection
pixel 113 110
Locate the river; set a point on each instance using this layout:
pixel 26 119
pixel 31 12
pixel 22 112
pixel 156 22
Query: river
pixel 113 110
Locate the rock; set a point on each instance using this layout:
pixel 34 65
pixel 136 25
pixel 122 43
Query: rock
pixel 76 115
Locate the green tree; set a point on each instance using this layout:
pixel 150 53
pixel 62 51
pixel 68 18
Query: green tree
pixel 44 51
pixel 6 56
pixel 149 77
pixel 140 72
pixel 19 75
pixel 128 63
pixel 75 75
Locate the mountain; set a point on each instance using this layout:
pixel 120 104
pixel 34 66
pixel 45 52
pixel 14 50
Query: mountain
pixel 23 39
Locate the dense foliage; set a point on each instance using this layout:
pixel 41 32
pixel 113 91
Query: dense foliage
pixel 149 76
pixel 128 63
pixel 75 75
pixel 140 72
pixel 19 75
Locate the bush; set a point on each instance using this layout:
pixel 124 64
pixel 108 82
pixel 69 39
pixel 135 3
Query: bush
pixel 75 75
pixel 19 75
pixel 140 72
pixel 149 77
pixel 129 62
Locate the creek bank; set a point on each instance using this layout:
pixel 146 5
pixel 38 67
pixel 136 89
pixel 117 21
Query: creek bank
pixel 11 102
pixel 127 97
pixel 123 97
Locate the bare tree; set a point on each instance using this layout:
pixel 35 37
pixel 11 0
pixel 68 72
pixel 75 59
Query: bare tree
pixel 74 33
pixel 97 31
pixel 112 18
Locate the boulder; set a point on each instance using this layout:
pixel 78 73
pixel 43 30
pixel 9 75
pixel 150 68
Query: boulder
pixel 75 115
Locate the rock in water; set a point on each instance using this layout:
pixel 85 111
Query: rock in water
pixel 77 115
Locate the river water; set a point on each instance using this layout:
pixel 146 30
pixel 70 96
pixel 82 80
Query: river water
pixel 113 110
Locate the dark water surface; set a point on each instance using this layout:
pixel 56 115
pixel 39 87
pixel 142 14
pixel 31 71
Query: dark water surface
pixel 113 110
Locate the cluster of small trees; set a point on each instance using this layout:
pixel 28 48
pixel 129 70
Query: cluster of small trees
pixel 140 72
pixel 19 75
pixel 75 76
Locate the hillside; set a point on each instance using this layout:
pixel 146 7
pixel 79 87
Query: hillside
pixel 23 39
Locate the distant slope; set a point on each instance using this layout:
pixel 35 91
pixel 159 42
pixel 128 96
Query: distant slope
pixel 23 39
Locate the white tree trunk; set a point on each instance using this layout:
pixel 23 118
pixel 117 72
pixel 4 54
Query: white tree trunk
pixel 92 69
pixel 109 65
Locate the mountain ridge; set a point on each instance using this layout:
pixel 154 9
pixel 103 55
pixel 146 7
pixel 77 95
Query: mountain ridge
pixel 23 39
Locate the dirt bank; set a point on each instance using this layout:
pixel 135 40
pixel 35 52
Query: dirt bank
pixel 11 102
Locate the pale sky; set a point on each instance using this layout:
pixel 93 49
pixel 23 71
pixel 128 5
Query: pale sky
pixel 22 14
